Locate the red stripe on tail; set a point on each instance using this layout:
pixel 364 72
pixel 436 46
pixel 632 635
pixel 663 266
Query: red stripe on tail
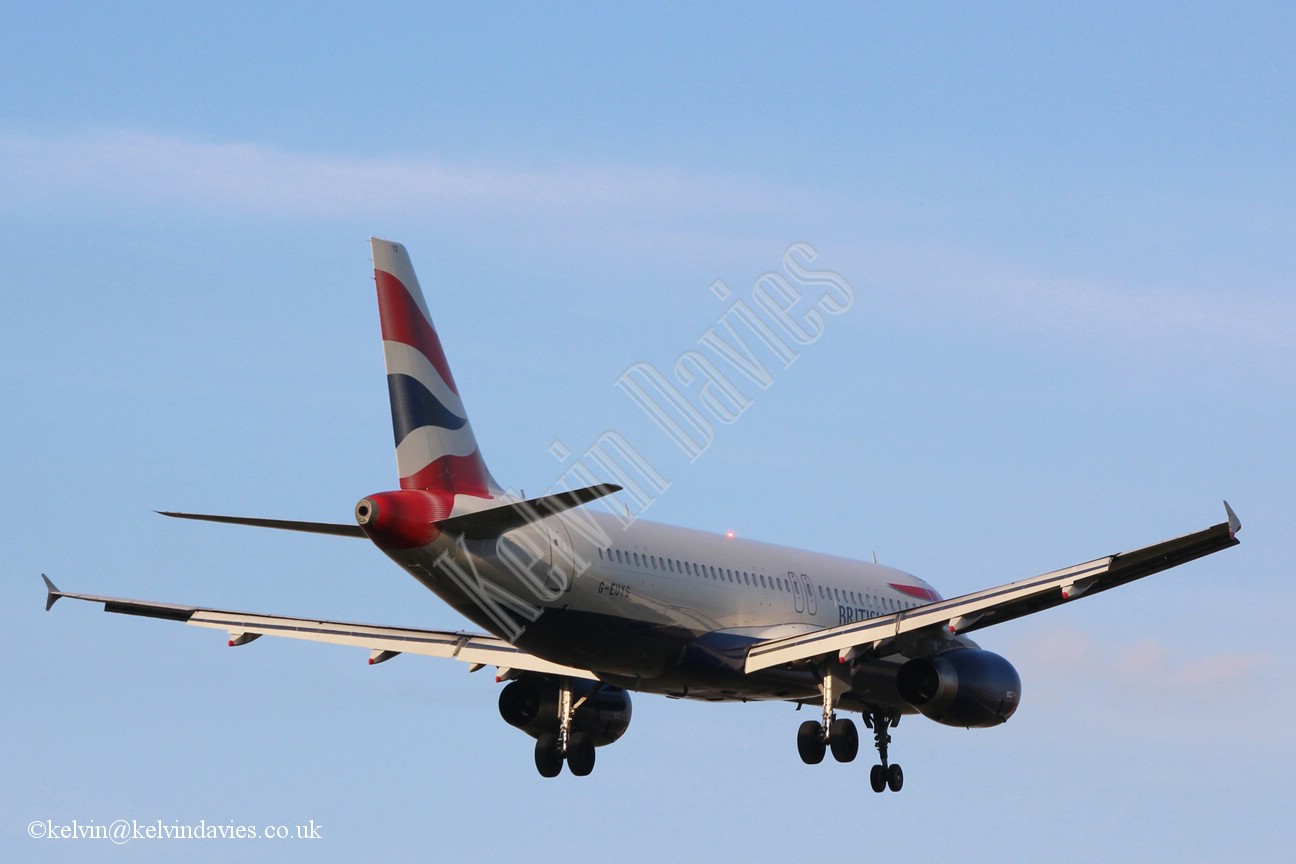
pixel 403 321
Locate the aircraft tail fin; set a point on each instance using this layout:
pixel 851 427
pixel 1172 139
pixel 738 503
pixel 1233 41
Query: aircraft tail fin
pixel 436 449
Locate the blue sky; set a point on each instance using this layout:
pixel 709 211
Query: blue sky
pixel 1070 232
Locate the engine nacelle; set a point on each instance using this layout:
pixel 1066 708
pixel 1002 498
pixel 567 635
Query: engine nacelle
pixel 531 704
pixel 963 687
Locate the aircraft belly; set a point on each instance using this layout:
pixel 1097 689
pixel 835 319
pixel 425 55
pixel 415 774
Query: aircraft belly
pixel 605 643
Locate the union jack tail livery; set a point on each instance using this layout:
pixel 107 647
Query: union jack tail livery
pixel 582 605
pixel 436 450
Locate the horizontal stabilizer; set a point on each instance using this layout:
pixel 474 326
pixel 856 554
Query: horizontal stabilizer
pixel 282 524
pixel 485 524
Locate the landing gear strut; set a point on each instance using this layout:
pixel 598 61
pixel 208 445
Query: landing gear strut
pixel 576 748
pixel 814 738
pixel 884 776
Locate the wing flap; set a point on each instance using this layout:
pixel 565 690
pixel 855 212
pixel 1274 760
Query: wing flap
pixel 473 648
pixel 1001 603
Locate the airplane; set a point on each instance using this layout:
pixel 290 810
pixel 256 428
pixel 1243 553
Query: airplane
pixel 581 607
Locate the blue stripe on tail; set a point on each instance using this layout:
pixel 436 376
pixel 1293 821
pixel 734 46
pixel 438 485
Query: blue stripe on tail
pixel 413 406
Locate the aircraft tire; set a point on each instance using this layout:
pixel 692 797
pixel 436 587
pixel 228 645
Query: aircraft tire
pixel 810 742
pixel 580 754
pixel 548 760
pixel 843 739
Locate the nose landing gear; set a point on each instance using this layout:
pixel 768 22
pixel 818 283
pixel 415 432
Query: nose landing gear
pixel 884 776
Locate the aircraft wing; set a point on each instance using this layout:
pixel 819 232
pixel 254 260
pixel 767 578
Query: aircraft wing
pixel 383 642
pixel 999 604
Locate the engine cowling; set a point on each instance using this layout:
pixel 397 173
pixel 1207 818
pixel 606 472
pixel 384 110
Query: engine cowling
pixel 965 687
pixel 531 704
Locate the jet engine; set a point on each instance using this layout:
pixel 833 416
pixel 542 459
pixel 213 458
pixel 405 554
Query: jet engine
pixel 964 687
pixel 531 704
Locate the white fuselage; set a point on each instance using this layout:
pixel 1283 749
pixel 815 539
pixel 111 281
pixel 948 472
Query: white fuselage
pixel 655 606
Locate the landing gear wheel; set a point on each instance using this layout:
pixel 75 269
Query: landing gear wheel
pixel 548 760
pixel 810 743
pixel 580 754
pixel 884 776
pixel 843 738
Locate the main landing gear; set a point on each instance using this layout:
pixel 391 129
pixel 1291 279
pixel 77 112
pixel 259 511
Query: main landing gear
pixel 816 737
pixel 574 748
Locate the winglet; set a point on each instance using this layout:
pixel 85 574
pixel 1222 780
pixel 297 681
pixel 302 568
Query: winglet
pixel 1234 524
pixel 54 593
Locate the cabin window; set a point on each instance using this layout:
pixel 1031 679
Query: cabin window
pixel 618 554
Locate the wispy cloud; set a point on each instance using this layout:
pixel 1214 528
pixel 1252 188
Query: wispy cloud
pixel 106 167
pixel 951 284
pixel 113 171
pixel 1065 666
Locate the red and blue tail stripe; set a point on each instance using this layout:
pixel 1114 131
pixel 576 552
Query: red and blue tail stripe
pixel 436 449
